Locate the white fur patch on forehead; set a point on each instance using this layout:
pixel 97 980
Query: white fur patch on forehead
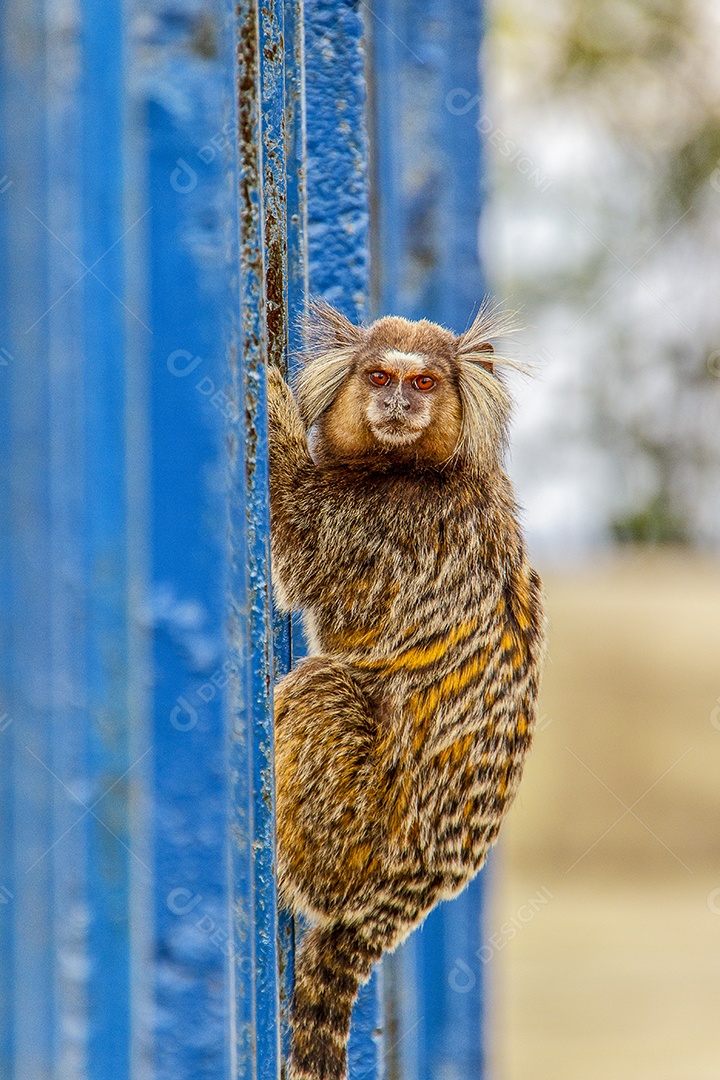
pixel 404 361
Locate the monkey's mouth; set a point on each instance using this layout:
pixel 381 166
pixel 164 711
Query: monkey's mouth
pixel 396 432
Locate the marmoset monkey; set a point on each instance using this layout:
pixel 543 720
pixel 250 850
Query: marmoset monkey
pixel 400 741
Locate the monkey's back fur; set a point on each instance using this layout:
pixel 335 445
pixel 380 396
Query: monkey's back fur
pixel 400 741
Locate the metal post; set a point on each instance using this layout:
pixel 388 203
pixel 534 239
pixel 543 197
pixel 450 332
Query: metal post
pixel 260 335
pixel 106 503
pixel 28 1021
pixel 65 543
pixel 338 216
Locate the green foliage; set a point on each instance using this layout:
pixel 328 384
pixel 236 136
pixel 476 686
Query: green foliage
pixel 601 33
pixel 693 162
pixel 655 523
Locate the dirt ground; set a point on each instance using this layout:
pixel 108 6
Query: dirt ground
pixel 603 938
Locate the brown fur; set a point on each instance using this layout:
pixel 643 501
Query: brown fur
pixel 400 743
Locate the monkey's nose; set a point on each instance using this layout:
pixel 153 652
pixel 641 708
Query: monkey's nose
pixel 397 404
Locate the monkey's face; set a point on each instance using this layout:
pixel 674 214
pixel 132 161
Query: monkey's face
pixel 400 393
pixel 411 392
pixel 402 405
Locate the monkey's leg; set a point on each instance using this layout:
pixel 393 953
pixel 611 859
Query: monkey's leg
pixel 332 962
pixel 339 860
pixel 330 830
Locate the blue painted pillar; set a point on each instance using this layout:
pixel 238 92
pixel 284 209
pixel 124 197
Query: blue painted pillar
pixel 259 336
pixel 338 237
pixel 426 152
pixel 337 171
pixel 107 764
pixel 426 197
pixel 180 83
pixel 66 935
pixel 27 1019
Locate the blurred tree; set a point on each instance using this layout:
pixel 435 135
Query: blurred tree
pixel 617 102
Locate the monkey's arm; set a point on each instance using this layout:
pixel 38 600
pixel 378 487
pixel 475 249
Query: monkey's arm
pixel 288 444
pixel 292 499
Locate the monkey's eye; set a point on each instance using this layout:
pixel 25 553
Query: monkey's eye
pixel 424 382
pixel 380 378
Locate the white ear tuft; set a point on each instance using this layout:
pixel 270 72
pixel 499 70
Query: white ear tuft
pixel 319 381
pixel 327 328
pixel 486 409
pixel 331 341
pixel 491 321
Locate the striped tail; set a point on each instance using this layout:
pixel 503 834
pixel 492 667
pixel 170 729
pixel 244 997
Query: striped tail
pixel 332 963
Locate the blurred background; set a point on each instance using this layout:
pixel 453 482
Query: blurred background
pixel 602 128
